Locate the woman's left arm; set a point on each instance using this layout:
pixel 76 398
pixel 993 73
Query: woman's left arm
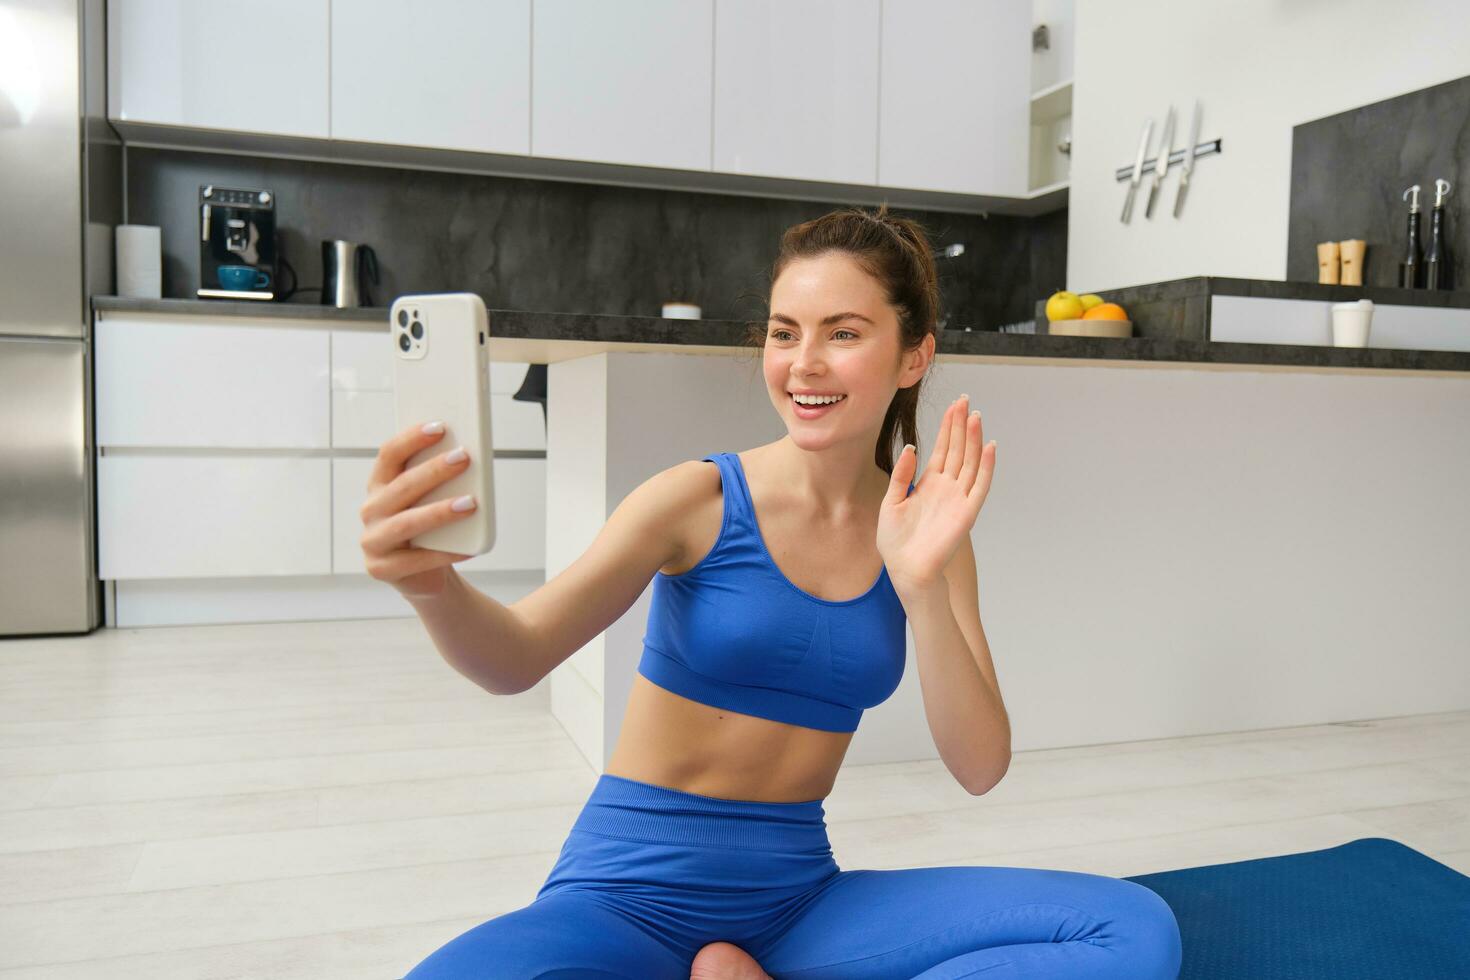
pixel 924 537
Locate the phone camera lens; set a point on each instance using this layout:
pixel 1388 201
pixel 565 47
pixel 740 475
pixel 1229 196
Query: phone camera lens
pixel 403 342
pixel 403 318
pixel 418 330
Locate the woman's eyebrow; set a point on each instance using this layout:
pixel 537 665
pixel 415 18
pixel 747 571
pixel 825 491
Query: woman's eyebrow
pixel 826 321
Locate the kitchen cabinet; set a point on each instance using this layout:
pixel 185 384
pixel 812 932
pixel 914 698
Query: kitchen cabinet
pixel 954 104
pixel 362 396
pixel 796 89
pixel 259 67
pixel 520 516
pixel 200 516
pixel 623 83
pixel 242 449
pixel 167 381
pixel 440 73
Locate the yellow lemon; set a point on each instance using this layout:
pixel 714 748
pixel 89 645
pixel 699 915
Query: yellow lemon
pixel 1089 300
pixel 1063 306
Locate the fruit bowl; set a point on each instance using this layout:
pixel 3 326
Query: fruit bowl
pixel 1090 328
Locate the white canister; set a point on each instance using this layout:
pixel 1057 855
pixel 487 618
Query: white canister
pixel 139 250
pixel 1350 322
pixel 681 311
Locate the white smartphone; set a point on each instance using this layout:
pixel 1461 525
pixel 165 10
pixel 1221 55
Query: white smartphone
pixel 441 347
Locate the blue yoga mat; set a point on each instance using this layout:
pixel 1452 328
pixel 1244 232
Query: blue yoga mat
pixel 1371 909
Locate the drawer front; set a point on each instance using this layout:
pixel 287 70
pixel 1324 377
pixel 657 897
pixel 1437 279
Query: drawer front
pixel 520 516
pixel 362 396
pixel 177 383
pixel 365 420
pixel 208 516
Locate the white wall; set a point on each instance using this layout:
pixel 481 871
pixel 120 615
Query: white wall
pixel 1259 67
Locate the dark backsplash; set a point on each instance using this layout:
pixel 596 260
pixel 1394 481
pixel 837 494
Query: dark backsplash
pixel 559 246
pixel 1349 172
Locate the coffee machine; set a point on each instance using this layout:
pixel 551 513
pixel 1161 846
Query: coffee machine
pixel 237 228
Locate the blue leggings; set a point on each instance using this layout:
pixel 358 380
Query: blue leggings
pixel 649 875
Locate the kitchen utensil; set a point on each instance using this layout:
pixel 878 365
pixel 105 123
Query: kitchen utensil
pixel 346 269
pixel 1413 256
pixel 1148 128
pixel 1189 152
pixel 1090 328
pixel 1437 261
pixel 1352 252
pixel 1329 262
pixel 1161 169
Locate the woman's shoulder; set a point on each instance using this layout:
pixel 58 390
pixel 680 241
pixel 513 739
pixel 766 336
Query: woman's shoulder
pixel 689 499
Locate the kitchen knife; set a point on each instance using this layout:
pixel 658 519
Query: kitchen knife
pixel 1188 160
pixel 1148 128
pixel 1161 169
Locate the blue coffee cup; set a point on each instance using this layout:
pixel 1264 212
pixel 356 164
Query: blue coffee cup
pixel 243 277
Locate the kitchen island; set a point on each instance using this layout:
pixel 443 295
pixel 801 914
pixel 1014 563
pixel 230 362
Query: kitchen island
pixel 1224 536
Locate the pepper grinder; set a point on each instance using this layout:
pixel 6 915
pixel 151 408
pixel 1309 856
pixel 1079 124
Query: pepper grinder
pixel 1413 257
pixel 1329 262
pixel 1437 262
pixel 1352 251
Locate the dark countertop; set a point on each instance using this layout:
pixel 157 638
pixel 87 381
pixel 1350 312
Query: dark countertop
pixel 1171 326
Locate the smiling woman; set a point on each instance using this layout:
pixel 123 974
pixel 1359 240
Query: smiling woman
pixel 787 577
pixel 891 287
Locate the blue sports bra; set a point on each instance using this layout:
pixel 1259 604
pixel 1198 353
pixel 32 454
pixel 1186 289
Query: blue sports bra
pixel 734 632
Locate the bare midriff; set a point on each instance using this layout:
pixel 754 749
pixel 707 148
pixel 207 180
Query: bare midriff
pixel 669 740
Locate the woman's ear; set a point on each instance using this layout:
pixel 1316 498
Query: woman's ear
pixel 916 362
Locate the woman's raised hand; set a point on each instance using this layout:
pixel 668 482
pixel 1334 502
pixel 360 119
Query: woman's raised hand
pixel 390 520
pixel 918 534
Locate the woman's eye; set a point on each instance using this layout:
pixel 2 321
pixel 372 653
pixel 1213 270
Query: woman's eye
pixel 782 334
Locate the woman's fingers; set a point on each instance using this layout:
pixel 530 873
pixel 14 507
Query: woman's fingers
pixel 958 428
pixel 391 533
pixel 974 445
pixel 941 443
pixel 407 561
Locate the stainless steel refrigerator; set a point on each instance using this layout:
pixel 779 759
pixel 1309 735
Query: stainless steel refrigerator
pixel 60 191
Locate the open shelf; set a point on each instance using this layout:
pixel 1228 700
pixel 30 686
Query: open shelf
pixel 1052 103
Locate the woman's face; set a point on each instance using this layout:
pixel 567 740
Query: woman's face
pixel 854 355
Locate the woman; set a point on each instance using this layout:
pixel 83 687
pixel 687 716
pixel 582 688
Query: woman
pixel 783 579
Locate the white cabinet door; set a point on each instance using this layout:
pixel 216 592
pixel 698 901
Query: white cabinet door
pixel 207 516
pixel 622 82
pixel 257 66
pixel 444 73
pixel 955 102
pixel 796 89
pixel 520 516
pixel 171 382
pixel 362 396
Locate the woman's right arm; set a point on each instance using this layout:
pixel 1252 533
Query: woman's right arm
pixel 508 649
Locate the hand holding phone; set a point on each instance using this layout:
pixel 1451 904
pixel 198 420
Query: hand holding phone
pixel 441 373
pixel 390 520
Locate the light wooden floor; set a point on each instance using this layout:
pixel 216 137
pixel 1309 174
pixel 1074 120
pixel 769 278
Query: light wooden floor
pixel 328 800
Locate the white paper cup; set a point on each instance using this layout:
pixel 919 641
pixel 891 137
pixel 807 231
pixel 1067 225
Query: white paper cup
pixel 681 311
pixel 1350 323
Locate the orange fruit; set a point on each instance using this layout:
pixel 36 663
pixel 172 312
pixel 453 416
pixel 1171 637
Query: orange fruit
pixel 1106 311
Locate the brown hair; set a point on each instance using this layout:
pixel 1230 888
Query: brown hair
pixel 896 252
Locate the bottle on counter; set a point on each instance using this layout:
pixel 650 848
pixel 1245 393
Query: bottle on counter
pixel 1437 263
pixel 1413 257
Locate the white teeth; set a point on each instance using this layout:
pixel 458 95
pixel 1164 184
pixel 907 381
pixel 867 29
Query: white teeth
pixel 817 399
